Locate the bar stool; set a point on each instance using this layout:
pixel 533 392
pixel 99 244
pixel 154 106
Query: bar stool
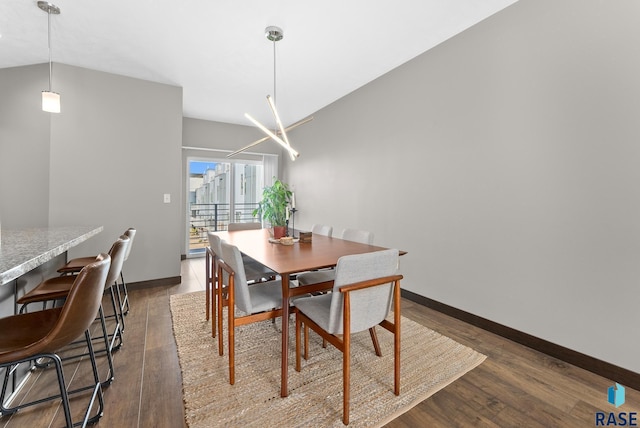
pixel 131 233
pixel 41 334
pixel 74 266
pixel 58 288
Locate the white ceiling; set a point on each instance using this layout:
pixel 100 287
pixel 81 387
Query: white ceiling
pixel 216 50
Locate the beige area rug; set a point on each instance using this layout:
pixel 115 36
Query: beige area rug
pixel 429 362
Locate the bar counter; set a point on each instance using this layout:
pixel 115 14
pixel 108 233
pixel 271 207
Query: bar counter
pixel 23 250
pixel 27 257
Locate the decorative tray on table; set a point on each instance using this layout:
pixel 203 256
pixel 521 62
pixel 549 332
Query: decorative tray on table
pixel 284 241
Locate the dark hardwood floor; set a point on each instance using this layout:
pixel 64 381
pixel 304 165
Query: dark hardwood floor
pixel 515 386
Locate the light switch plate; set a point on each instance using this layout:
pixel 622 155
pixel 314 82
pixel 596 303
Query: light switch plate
pixel 167 198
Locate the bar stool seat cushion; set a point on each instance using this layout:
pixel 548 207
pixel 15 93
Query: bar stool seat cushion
pixel 76 265
pixel 20 333
pixel 51 289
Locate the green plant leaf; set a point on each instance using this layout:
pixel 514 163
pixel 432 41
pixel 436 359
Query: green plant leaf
pixel 275 200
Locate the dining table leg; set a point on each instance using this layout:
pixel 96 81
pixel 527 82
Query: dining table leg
pixel 285 336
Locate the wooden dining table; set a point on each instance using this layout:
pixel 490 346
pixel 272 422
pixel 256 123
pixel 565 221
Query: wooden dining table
pixel 287 260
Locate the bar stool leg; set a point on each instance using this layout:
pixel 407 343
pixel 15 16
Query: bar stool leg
pixel 120 305
pixel 63 390
pixel 117 331
pixel 125 301
pixel 97 390
pixel 107 349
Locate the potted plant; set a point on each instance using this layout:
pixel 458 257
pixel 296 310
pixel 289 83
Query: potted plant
pixel 274 205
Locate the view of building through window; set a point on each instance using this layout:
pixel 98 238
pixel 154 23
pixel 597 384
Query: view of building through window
pixel 221 192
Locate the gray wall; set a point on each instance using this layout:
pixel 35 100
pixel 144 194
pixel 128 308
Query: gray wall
pixel 506 162
pixel 107 159
pixel 24 147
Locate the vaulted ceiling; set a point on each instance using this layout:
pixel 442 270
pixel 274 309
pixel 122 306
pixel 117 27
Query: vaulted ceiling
pixel 217 52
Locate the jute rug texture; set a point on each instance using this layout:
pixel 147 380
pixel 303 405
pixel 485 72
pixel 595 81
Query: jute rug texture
pixel 429 362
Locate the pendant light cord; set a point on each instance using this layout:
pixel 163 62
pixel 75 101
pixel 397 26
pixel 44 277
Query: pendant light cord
pixel 274 73
pixel 49 41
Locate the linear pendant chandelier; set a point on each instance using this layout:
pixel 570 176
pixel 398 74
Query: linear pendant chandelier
pixel 50 99
pixel 274 34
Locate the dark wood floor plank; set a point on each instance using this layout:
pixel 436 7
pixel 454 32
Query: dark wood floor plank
pixel 515 386
pixel 162 383
pixel 122 398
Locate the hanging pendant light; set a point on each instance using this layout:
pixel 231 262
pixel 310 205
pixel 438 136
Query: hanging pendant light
pixel 274 34
pixel 50 99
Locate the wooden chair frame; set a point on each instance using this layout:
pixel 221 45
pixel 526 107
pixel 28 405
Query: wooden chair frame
pixel 344 344
pixel 232 320
pixel 211 281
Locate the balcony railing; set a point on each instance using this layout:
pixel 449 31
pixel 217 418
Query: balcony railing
pixel 215 217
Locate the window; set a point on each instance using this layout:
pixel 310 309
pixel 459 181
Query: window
pixel 223 191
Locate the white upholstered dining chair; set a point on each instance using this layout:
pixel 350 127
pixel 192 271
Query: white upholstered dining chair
pixel 328 275
pixel 356 235
pixel 254 272
pixel 214 252
pixel 258 302
pixel 322 229
pixel 365 287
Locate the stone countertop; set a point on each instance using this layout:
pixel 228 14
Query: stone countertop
pixel 25 249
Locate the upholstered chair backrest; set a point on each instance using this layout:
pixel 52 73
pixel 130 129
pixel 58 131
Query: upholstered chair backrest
pixel 368 306
pixel 321 229
pixel 355 235
pixel 233 258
